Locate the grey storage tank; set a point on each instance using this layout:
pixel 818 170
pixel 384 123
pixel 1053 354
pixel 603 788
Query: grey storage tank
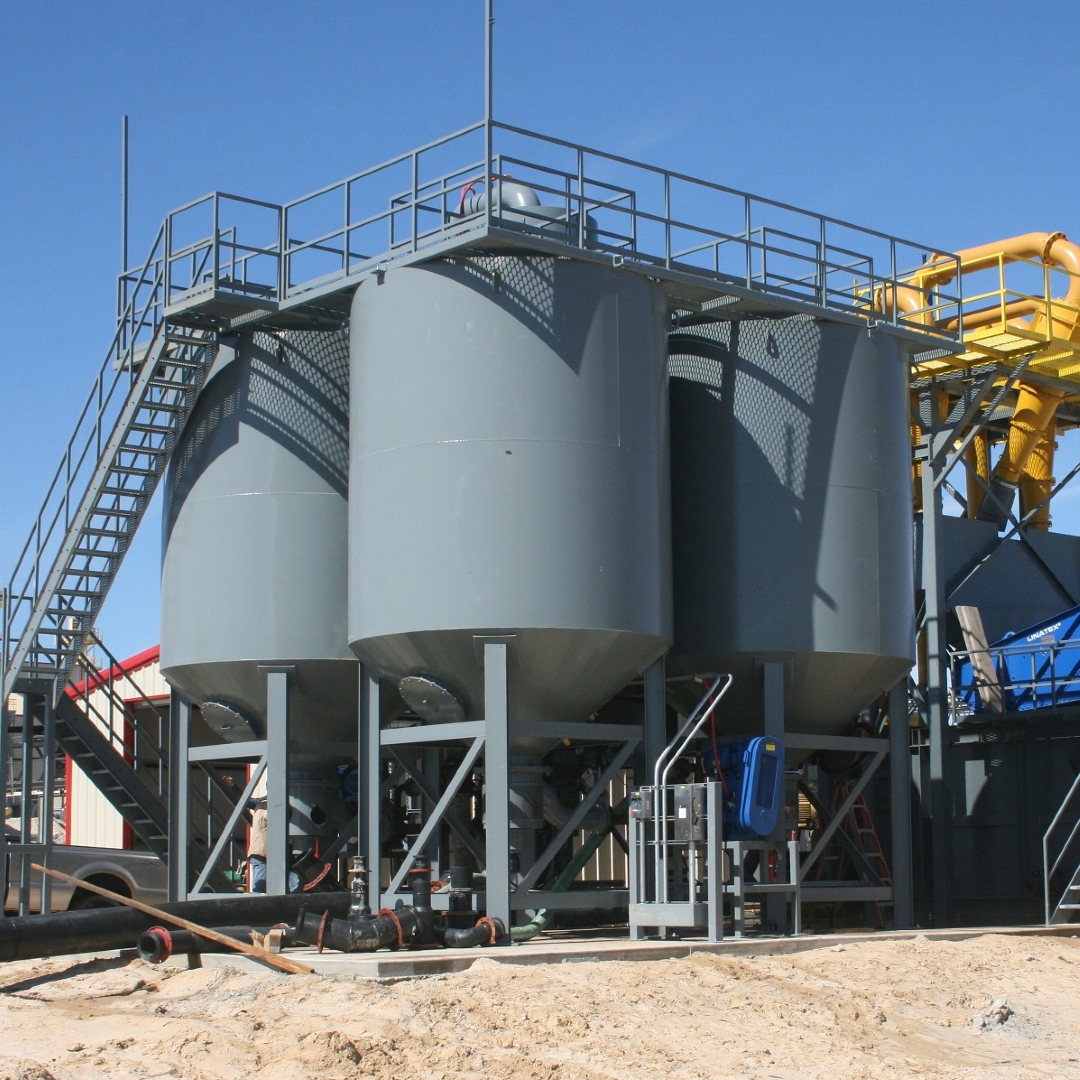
pixel 254 545
pixel 791 513
pixel 509 478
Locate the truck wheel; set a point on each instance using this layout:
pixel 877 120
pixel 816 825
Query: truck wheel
pixel 83 900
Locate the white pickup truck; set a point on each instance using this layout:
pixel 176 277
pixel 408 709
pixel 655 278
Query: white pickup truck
pixel 136 874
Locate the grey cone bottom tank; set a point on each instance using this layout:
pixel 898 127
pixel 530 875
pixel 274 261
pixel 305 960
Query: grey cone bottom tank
pixel 254 545
pixel 791 504
pixel 509 478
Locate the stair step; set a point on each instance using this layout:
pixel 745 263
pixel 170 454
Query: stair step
pixel 104 532
pixel 151 429
pixel 114 511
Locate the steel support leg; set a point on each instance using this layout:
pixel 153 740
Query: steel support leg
pixel 900 778
pixel 369 779
pixel 738 890
pixel 277 782
pixel 773 673
pixel 48 787
pixel 431 759
pixel 5 766
pixel 496 782
pixel 179 793
pixel 937 706
pixel 24 797
pixel 714 866
pixel 655 719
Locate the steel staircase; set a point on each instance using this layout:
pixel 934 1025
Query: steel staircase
pixel 141 399
pixel 126 755
pixel 79 737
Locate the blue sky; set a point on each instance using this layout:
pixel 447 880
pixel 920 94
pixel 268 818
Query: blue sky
pixel 950 123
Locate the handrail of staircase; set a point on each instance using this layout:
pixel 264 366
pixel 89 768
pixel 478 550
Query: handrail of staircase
pixel 1050 868
pixel 86 443
pixel 105 680
pixel 98 681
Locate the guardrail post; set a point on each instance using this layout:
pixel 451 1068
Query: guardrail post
pixel 581 196
pixel 345 230
pixel 283 257
pixel 166 275
pixel 415 196
pixel 667 220
pixel 823 270
pixel 216 252
pixel 748 242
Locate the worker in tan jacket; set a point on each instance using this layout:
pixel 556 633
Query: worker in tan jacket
pixel 257 848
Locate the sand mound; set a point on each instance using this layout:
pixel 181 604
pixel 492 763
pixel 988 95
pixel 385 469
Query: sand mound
pixel 982 1008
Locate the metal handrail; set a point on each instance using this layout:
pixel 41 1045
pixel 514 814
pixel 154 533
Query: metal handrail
pixel 1042 657
pixel 582 192
pixel 1049 869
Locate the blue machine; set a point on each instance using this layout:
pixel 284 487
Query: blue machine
pixel 753 776
pixel 1038 667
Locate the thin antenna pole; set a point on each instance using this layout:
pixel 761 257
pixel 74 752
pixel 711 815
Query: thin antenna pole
pixel 489 24
pixel 123 194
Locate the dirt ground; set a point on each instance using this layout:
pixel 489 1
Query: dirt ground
pixel 994 1006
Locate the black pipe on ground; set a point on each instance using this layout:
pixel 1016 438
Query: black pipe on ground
pixel 485 932
pixel 34 936
pixel 404 927
pixel 158 943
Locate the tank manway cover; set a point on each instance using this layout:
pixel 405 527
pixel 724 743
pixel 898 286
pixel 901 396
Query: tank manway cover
pixel 228 722
pixel 430 699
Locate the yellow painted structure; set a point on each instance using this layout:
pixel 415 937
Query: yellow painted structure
pixel 1027 301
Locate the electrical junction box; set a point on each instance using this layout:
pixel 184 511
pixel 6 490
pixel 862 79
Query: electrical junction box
pixel 689 807
pixel 641 804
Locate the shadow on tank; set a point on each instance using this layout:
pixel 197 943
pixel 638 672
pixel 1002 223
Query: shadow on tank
pixel 791 514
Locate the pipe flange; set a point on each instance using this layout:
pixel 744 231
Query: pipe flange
pixel 309 885
pixel 397 924
pixel 1051 240
pixel 166 940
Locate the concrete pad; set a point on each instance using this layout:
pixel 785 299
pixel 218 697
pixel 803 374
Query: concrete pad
pixel 569 949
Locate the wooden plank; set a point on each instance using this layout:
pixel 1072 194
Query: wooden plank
pixel 982 664
pixel 282 963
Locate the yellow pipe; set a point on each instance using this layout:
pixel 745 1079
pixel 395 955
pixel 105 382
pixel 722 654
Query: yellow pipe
pixel 1032 418
pixel 1034 413
pixel 1052 249
pixel 1038 480
pixel 916 465
pixel 978 457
